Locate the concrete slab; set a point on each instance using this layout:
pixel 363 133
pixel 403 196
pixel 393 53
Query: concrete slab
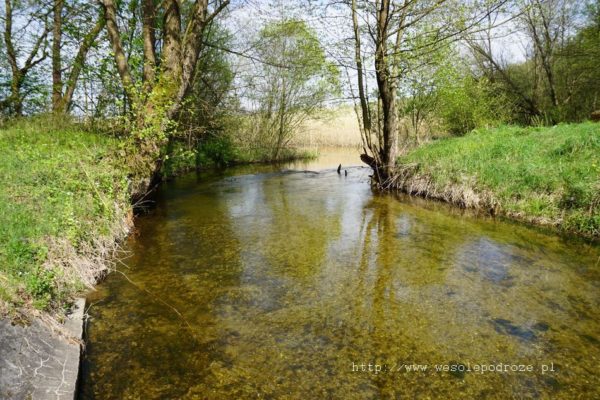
pixel 36 363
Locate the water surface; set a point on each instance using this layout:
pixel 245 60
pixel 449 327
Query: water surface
pixel 267 283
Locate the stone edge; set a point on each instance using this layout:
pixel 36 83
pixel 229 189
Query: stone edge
pixel 74 325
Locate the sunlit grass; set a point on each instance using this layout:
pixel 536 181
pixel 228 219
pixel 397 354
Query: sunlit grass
pixel 550 173
pixel 62 189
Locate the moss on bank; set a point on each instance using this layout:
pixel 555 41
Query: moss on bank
pixel 548 176
pixel 63 204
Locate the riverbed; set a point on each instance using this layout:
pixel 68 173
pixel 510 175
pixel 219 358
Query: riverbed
pixel 295 282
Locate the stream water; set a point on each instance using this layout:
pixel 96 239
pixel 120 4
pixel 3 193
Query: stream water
pixel 293 282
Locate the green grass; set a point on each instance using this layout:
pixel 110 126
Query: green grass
pixel 62 194
pixel 547 175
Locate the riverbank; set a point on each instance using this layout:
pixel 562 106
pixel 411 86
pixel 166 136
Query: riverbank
pixel 542 175
pixel 64 205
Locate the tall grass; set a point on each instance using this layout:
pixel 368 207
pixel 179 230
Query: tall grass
pixel 338 128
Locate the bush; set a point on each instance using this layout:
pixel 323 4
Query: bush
pixel 217 151
pixel 468 103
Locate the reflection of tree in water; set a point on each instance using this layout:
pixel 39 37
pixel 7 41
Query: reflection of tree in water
pixel 431 288
pixel 402 249
pixel 400 277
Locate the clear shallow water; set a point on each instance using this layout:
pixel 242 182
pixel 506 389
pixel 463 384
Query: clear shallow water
pixel 266 283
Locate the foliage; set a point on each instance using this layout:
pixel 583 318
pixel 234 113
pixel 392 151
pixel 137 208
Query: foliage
pixel 211 97
pixel 542 174
pixel 206 118
pixel 292 83
pixel 558 80
pixel 467 102
pixel 578 73
pixel 222 150
pixel 218 151
pixel 440 93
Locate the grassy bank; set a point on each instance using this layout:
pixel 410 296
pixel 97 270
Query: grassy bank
pixel 548 176
pixel 63 203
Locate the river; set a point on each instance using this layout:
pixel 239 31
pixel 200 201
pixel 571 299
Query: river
pixel 294 282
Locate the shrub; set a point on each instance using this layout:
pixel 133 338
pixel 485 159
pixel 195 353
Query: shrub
pixel 216 150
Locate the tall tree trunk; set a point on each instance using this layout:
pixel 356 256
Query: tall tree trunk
pixel 364 106
pixel 171 52
pixel 149 40
pixel 386 83
pixel 191 45
pixel 57 85
pixel 385 149
pixel 112 28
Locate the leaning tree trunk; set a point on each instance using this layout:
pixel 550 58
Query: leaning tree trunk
pixel 78 63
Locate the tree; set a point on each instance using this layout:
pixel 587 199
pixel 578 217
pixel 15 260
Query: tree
pixel 292 81
pixel 492 65
pixel 577 72
pixel 420 89
pixel 392 22
pixel 62 92
pixel 547 25
pixel 33 33
pixel 207 112
pixel 387 25
pixel 467 101
pixel 391 27
pixel 156 104
pixel 544 86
